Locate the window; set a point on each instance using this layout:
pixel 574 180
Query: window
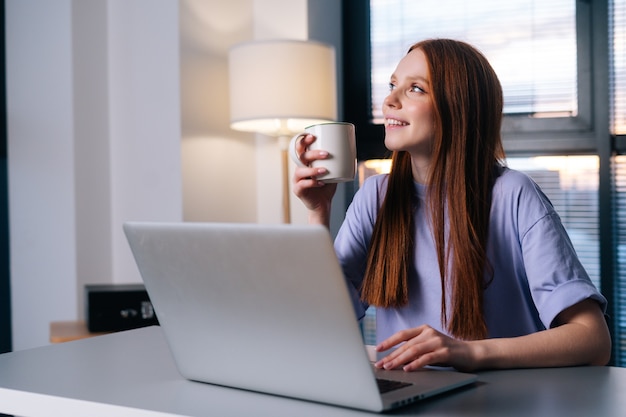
pixel 531 45
pixel 542 113
pixel 617 30
pixel 565 121
pixel 617 41
pixel 571 183
pixel 619 320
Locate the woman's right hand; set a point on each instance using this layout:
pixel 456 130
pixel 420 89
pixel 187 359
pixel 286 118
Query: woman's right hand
pixel 316 195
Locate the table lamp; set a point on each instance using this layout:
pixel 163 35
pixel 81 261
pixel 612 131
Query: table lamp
pixel 278 88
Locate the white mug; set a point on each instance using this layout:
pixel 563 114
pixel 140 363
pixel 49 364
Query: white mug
pixel 339 140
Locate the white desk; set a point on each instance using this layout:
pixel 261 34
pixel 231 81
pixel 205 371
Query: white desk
pixel 132 374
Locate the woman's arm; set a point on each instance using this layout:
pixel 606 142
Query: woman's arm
pixel 580 336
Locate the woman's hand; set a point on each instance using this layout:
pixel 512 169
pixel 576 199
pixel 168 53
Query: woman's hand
pixel 315 194
pixel 422 346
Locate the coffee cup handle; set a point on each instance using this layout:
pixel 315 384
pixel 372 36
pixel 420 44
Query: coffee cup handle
pixel 292 149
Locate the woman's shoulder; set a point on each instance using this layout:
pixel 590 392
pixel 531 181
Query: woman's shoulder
pixel 520 189
pixel 513 178
pixel 371 192
pixel 512 181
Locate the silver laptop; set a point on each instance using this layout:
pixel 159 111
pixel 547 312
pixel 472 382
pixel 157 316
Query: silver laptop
pixel 266 308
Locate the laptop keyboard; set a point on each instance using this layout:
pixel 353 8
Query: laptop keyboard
pixel 386 385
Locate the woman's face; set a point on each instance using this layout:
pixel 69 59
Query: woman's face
pixel 408 109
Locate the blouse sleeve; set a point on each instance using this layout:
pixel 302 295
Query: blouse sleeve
pixel 556 277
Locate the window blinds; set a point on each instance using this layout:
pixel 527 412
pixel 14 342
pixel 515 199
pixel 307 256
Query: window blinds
pixel 571 183
pixel 617 40
pixel 530 43
pixel 617 75
pixel 619 297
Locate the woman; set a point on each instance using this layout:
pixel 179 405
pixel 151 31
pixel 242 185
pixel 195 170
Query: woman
pixel 465 260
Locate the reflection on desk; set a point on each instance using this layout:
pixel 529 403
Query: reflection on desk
pixel 132 374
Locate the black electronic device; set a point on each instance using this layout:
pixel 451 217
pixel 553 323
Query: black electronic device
pixel 115 307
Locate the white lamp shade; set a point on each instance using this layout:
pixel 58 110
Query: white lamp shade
pixel 280 87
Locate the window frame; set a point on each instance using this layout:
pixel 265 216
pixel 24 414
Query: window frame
pixel 521 134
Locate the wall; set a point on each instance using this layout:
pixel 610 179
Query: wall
pixel 41 168
pixel 118 111
pixel 245 185
pixel 93 140
pixel 218 164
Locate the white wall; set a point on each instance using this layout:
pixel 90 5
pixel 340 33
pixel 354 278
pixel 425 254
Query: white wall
pixel 93 140
pixel 118 110
pixel 227 175
pixel 218 165
pixel 41 167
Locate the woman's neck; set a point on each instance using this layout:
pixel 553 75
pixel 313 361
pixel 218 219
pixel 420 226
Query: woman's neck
pixel 420 167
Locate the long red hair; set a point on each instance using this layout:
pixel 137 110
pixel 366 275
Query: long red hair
pixel 467 149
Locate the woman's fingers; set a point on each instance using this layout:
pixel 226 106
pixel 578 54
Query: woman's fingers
pixel 416 348
pixel 307 155
pixel 305 173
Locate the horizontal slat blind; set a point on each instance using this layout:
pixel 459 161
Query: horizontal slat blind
pixel 530 43
pixel 571 183
pixel 618 66
pixel 619 297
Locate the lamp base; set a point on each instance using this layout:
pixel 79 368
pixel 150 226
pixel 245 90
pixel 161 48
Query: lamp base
pixel 283 142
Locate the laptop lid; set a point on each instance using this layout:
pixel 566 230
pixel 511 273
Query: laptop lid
pixel 264 308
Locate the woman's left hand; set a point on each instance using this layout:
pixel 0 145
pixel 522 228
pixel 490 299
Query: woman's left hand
pixel 424 346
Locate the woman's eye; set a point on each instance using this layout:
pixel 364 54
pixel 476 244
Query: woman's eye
pixel 413 89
